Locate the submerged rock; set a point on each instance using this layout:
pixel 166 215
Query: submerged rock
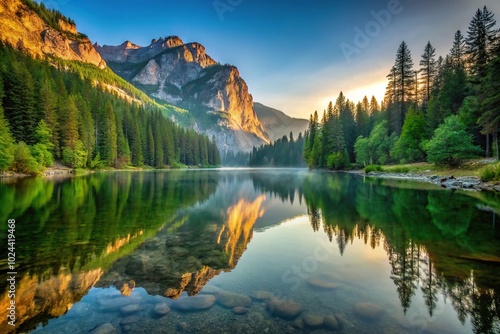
pixel 196 303
pixel 285 309
pixel 129 320
pixel 368 311
pixel 230 299
pixel 130 309
pixel 161 309
pixel 321 283
pixel 312 321
pixel 106 328
pixel 261 295
pixel 331 323
pixel 239 310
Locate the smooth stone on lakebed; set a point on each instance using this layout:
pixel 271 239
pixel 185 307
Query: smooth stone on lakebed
pixel 331 323
pixel 285 309
pixel 368 311
pixel 129 320
pixel 312 321
pixel 210 290
pixel 106 328
pixel 161 309
pixel 230 299
pixel 321 284
pixel 239 310
pixel 196 303
pixel 261 295
pixel 130 309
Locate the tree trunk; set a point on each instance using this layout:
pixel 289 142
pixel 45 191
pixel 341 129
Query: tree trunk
pixel 487 145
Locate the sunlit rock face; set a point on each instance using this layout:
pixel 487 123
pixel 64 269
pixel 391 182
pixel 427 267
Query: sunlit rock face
pixel 39 298
pixel 184 75
pixel 22 28
pixel 177 262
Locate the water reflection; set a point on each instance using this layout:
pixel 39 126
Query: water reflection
pixel 171 233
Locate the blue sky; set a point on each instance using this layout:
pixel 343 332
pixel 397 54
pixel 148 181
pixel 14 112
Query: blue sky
pixel 295 55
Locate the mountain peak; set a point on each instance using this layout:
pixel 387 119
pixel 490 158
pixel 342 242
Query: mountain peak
pixel 129 45
pixel 167 42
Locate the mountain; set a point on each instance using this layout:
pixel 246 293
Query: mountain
pixel 184 75
pixel 51 34
pixel 277 124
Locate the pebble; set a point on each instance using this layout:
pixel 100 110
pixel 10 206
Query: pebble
pixel 261 296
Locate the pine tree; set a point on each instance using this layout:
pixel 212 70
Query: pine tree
pixel 428 72
pixel 108 135
pixel 404 85
pixel 457 52
pixel 480 41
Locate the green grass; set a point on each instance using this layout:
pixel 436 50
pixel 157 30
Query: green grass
pixel 490 172
pixel 373 168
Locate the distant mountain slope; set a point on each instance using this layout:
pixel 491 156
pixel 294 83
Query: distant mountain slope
pixel 277 124
pixel 184 75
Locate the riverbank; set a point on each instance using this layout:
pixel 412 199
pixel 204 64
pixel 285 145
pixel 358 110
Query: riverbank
pixel 465 178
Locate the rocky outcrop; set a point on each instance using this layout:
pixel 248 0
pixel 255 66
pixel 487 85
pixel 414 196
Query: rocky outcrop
pixel 184 75
pixel 24 29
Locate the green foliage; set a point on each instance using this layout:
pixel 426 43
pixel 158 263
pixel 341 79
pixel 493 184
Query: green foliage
pixel 376 148
pixel 397 169
pixel 373 168
pixel 408 146
pixel 490 173
pixel 42 155
pixel 24 161
pixel 49 16
pixel 6 143
pixel 451 144
pixel 77 157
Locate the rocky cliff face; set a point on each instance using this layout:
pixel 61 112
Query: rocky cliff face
pixel 23 28
pixel 277 124
pixel 184 75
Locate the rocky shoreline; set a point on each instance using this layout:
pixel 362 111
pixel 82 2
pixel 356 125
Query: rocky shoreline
pixel 471 183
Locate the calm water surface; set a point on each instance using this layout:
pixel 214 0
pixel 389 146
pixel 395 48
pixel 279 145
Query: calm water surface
pixel 294 251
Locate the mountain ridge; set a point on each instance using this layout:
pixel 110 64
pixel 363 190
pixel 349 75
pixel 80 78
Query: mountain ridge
pixel 184 75
pixel 278 124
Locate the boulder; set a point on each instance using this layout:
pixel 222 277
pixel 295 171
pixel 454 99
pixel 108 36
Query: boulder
pixel 320 283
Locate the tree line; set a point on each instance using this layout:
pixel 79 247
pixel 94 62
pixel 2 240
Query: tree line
pixel 50 110
pixel 445 111
pixel 284 152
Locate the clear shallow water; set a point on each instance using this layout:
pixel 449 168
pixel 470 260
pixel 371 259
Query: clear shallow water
pixel 380 256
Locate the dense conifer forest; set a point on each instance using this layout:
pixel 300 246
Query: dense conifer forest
pixel 56 110
pixel 443 110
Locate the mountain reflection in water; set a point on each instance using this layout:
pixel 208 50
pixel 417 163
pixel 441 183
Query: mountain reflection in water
pixel 171 233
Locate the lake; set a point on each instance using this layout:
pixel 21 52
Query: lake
pixel 249 251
